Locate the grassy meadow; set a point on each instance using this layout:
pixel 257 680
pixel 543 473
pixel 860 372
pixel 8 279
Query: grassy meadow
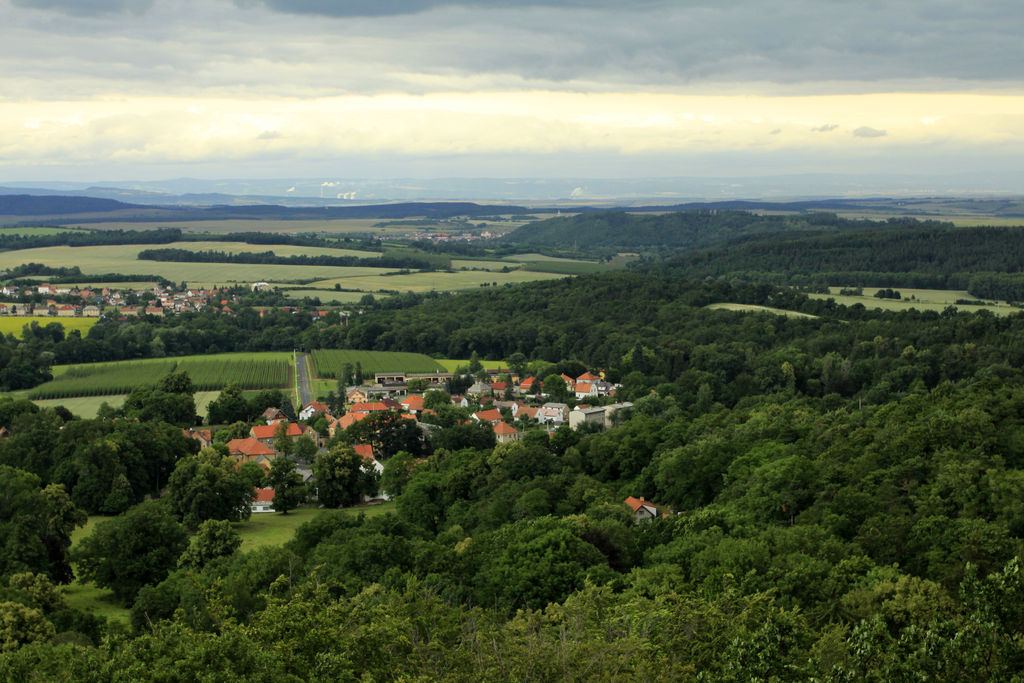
pixel 432 281
pixel 13 324
pixel 750 308
pixel 451 365
pixel 923 300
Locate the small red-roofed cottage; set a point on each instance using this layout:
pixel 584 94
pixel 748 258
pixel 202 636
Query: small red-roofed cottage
pixel 505 433
pixel 643 510
pixel 490 416
pixel 250 450
pixel 203 436
pixel 527 413
pixel 585 390
pixel 274 415
pixel 266 434
pixel 263 501
pixel 588 377
pixel 499 387
pixel 528 384
pixel 569 381
pixel 413 404
pixel 356 395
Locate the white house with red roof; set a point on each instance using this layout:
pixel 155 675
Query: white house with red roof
pixel 313 408
pixel 506 433
pixel 645 510
pixel 492 416
pixel 263 501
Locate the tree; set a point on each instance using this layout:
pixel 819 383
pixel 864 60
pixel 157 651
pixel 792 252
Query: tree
pixel 289 490
pixel 209 486
pixel 388 432
pixel 305 449
pixel 556 389
pixel 214 538
pixel 128 552
pixel 341 477
pixel 230 406
pixel 397 472
pixel 283 443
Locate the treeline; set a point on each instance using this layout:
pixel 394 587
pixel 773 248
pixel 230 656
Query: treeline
pixel 986 261
pixel 695 229
pixel 71 274
pixel 386 260
pixel 91 238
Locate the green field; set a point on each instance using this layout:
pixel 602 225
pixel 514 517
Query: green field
pixel 468 264
pixel 122 259
pixel 244 248
pixel 327 295
pixel 750 308
pixel 86 407
pixel 339 226
pixel 328 363
pixel 451 365
pixel 432 281
pixel 924 300
pixel 540 257
pixel 568 267
pixel 13 324
pixel 268 370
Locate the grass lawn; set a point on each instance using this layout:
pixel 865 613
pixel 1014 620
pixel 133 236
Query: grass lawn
pixel 13 324
pixel 328 295
pixel 88 596
pixel 274 529
pixel 750 308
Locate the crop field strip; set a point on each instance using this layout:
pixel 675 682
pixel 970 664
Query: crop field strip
pixel 208 373
pixel 330 362
pixel 13 324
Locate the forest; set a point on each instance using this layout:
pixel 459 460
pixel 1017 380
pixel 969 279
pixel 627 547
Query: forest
pixel 841 497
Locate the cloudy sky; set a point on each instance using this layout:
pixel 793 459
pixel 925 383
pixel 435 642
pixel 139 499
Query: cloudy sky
pixel 148 89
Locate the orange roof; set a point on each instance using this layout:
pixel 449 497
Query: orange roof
pixel 587 377
pixel 529 411
pixel 249 446
pixel 637 503
pixel 365 451
pixel 367 407
pixel 270 431
pixel 584 387
pixel 528 382
pixel 488 415
pixel 504 428
pixel 318 407
pixel 264 495
pixel 349 419
pixel 413 403
pixel 499 386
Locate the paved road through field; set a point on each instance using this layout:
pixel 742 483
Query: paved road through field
pixel 302 372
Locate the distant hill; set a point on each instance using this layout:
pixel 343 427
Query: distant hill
pixel 693 229
pixel 33 205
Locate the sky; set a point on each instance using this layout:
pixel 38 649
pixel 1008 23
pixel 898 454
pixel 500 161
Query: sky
pixel 96 90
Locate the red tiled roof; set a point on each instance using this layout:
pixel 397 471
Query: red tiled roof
pixel 367 407
pixel 248 446
pixel 587 377
pixel 584 387
pixel 270 431
pixel 318 407
pixel 637 503
pixel 365 451
pixel 264 495
pixel 413 403
pixel 349 419
pixel 499 386
pixel 488 415
pixel 504 428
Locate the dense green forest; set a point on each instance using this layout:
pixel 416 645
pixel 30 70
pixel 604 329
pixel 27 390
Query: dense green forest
pixel 693 229
pixel 843 499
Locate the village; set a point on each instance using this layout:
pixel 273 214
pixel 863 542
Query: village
pixel 502 403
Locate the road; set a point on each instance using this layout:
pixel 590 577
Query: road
pixel 302 373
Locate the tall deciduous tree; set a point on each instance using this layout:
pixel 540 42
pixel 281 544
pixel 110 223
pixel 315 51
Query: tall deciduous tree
pixel 289 490
pixel 341 477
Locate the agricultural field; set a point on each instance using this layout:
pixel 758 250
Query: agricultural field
pixel 469 264
pixel 568 267
pixel 87 407
pixel 749 308
pixel 539 257
pixel 328 295
pixel 13 324
pixel 339 226
pixel 209 373
pixel 122 259
pixel 328 363
pixel 921 299
pixel 451 365
pixel 433 281
pixel 244 248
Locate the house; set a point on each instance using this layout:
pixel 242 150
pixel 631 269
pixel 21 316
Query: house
pixel 492 416
pixel 645 511
pixel 570 383
pixel 263 501
pixel 499 387
pixel 344 422
pixel 586 416
pixel 273 416
pixel 511 405
pixel 479 389
pixel 249 450
pixel 154 310
pixel 266 434
pixel 527 413
pixel 313 408
pixel 91 311
pixel 528 384
pixel 66 311
pixel 587 377
pixel 553 414
pixel 371 463
pixel 356 395
pixel 129 310
pixel 585 390
pixel 506 433
pixel 203 436
pixel 413 405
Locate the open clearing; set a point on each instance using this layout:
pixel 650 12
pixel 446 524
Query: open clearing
pixel 923 300
pixel 13 324
pixel 326 295
pixel 751 308
pixel 31 231
pixel 86 407
pixel 451 365
pixel 433 281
